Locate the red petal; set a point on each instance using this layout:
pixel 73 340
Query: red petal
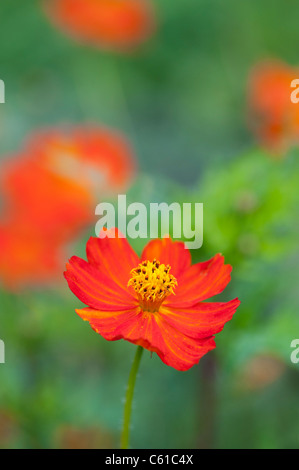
pixel 201 321
pixel 174 348
pixel 168 252
pixel 178 340
pixel 114 257
pixel 201 281
pixel 153 333
pixel 109 324
pixel 96 288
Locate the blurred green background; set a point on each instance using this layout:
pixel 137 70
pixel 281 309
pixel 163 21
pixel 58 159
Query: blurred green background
pixel 181 100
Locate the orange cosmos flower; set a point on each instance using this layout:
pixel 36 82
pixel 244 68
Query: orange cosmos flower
pixel 112 24
pixel 273 118
pixel 155 301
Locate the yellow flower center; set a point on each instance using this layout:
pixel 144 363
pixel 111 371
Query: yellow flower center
pixel 152 284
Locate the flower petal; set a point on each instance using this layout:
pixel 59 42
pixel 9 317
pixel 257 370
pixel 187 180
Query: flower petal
pixel 181 351
pixel 109 324
pixel 202 320
pixel 200 282
pixel 96 288
pixel 168 252
pixel 114 257
pixel 153 333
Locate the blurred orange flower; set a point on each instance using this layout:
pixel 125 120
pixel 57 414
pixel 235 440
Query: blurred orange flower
pixel 50 204
pixel 155 304
pixel 273 117
pixel 260 371
pixel 112 24
pixel 50 191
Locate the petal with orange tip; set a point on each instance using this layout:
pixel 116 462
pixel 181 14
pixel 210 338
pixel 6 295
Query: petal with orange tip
pixel 95 288
pixel 151 332
pixel 25 256
pixel 112 255
pixel 200 282
pixel 107 323
pixel 202 320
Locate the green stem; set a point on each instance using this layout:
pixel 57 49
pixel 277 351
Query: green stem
pixel 124 443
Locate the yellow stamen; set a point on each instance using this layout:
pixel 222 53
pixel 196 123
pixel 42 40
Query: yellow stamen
pixel 152 284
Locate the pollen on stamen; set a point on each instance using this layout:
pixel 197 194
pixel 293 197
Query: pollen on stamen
pixel 152 283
